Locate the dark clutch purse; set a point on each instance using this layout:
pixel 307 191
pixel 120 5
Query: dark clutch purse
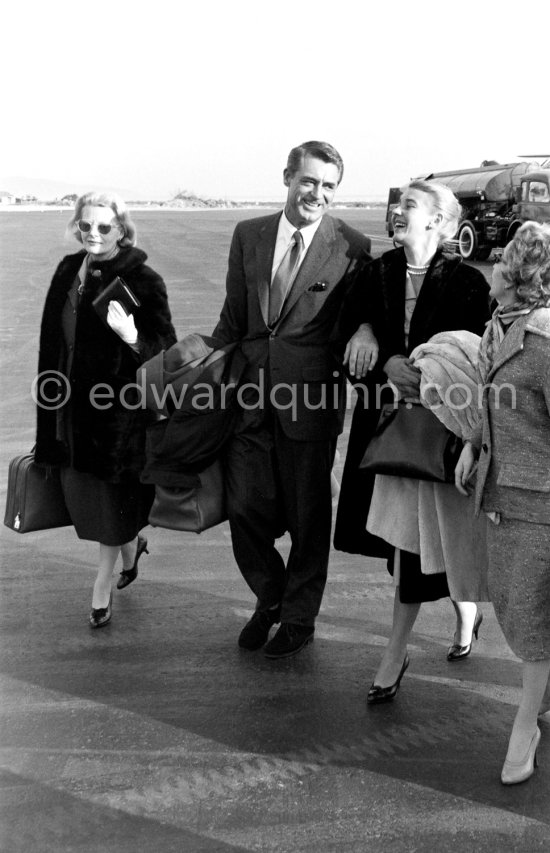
pixel 192 508
pixel 118 291
pixel 34 499
pixel 410 441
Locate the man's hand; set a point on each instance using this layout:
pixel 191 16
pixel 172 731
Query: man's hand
pixel 361 351
pixel 405 376
pixel 122 323
pixel 465 467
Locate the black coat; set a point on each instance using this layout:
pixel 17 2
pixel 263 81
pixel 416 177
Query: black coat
pixel 107 439
pixel 453 296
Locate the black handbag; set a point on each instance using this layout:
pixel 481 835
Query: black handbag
pixel 34 499
pixel 410 441
pixel 194 507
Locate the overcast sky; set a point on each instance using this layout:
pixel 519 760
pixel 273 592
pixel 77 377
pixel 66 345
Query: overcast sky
pixel 162 95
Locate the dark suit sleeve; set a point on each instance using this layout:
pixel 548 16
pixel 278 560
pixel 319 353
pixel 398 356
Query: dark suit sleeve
pixel 368 305
pixel 361 302
pixel 232 324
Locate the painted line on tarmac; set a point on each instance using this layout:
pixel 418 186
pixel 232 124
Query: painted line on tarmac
pixel 170 779
pixel 181 784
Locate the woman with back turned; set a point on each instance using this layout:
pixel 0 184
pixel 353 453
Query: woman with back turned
pixel 96 435
pixel 512 443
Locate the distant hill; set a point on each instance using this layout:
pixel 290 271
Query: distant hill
pixel 47 190
pixel 50 190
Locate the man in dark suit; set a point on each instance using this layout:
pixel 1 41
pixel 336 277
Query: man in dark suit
pixel 289 276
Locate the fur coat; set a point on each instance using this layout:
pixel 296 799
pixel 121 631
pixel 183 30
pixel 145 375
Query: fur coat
pixel 105 438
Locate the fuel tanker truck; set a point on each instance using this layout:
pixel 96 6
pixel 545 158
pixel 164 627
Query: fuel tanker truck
pixel 495 198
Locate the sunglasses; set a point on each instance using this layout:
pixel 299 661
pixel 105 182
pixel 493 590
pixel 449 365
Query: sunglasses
pixel 85 227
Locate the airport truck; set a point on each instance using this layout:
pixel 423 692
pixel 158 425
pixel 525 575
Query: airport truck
pixel 496 199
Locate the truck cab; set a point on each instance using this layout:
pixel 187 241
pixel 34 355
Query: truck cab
pixel 533 201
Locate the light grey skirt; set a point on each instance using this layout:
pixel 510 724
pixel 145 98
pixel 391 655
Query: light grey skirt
pixel 519 585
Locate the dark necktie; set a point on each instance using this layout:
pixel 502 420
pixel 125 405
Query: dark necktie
pixel 284 276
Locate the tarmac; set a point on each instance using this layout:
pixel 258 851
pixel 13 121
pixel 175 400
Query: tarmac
pixel 158 734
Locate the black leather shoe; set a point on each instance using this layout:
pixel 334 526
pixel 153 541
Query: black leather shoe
pixel 100 616
pixel 256 631
pixel 129 575
pixel 289 640
pixel 377 694
pixel 457 652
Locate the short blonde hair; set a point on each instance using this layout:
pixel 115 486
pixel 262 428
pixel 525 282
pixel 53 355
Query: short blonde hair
pixel 526 264
pixel 117 205
pixel 445 202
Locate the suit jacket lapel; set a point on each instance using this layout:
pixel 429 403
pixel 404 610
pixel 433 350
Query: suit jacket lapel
pixel 265 250
pixel 316 256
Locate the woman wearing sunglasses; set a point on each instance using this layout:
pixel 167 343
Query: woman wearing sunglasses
pixel 90 421
pixel 512 443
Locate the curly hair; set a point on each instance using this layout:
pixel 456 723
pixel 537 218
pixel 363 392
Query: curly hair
pixel 526 264
pixel 118 207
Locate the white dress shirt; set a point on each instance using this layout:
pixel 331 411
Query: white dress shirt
pixel 285 233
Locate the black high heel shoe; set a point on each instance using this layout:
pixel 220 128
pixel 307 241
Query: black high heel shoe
pixel 457 652
pixel 129 575
pixel 377 694
pixel 101 615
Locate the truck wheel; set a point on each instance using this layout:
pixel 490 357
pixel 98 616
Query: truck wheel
pixel 467 241
pixel 483 253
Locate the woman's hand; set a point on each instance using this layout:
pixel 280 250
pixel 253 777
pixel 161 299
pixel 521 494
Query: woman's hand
pixel 361 351
pixel 465 467
pixel 405 376
pixel 122 323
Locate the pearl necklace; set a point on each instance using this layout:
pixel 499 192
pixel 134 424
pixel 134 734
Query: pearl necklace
pixel 412 269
